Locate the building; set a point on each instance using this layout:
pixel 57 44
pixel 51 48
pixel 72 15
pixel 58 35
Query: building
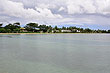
pixel 66 31
pixel 23 30
pixel 77 31
pixel 55 31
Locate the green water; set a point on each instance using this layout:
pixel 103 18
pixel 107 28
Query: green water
pixel 55 53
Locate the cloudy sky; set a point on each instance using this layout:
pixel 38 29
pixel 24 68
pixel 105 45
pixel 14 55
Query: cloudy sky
pixel 94 14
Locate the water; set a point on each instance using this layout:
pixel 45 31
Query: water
pixel 55 53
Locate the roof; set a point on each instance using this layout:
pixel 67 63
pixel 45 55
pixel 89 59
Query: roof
pixel 22 28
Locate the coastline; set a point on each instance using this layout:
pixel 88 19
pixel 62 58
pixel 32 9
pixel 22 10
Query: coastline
pixel 19 33
pixel 51 33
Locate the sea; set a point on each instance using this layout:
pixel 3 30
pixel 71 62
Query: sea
pixel 55 53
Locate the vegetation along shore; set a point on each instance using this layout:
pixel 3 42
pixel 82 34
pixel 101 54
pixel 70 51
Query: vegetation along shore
pixel 36 28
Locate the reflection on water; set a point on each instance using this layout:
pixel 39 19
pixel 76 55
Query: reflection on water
pixel 55 53
pixel 6 36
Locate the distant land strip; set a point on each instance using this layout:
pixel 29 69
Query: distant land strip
pixel 35 28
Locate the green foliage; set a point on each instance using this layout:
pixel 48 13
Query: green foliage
pixel 31 27
pixel 17 24
pixel 2 30
pixel 87 30
pixel 108 31
pixel 13 27
pixel 10 26
pixel 60 30
pixel 1 25
pixel 64 28
pixel 49 29
pixel 8 30
pixel 34 27
pixel 103 31
pixel 17 30
pixel 43 28
pixel 56 28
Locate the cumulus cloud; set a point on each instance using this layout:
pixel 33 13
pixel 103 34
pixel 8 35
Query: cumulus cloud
pixel 71 6
pixel 42 5
pixel 88 6
pixel 57 11
pixel 17 9
pixel 61 9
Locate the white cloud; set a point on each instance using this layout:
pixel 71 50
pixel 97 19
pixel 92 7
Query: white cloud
pixel 61 9
pixel 88 6
pixel 71 6
pixel 42 5
pixel 17 9
pixel 46 13
pixel 57 11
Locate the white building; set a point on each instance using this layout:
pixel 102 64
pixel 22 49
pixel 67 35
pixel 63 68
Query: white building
pixel 66 31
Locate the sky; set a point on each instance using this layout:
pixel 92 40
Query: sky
pixel 94 14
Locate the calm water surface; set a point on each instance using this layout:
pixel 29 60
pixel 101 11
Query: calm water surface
pixel 55 53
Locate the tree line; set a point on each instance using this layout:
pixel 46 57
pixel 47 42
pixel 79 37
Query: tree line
pixel 36 28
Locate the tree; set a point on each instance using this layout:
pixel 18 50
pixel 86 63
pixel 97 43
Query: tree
pixel 81 30
pixel 87 30
pixel 99 31
pixel 1 25
pixel 10 26
pixel 8 30
pixel 17 30
pixel 31 27
pixel 60 30
pixel 56 28
pixel 70 28
pixel 17 24
pixel 43 28
pixel 13 27
pixel 2 30
pixel 49 29
pixel 103 31
pixel 63 28
pixel 108 31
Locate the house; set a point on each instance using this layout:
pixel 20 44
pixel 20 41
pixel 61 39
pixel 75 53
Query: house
pixel 23 30
pixel 66 31
pixel 38 30
pixel 55 31
pixel 77 31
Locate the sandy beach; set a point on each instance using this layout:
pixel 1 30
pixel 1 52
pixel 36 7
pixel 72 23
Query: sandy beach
pixel 25 33
pixel 50 33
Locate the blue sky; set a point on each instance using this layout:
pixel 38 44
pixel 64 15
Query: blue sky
pixel 94 14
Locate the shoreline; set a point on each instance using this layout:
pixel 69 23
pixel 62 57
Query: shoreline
pixel 51 33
